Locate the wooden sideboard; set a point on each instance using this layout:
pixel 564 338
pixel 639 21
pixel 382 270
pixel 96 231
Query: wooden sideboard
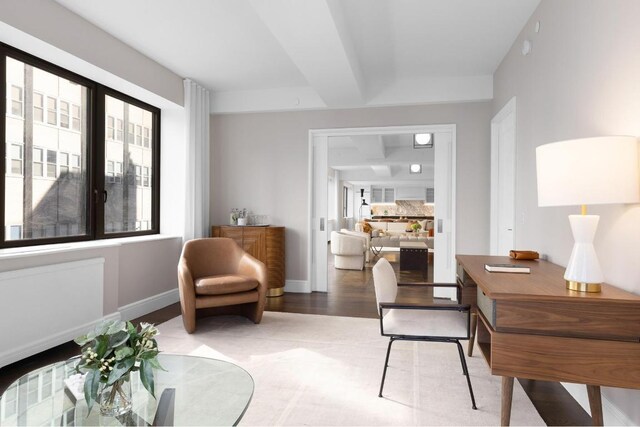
pixel 531 326
pixel 263 243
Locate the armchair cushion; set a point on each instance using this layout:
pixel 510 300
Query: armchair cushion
pixel 224 284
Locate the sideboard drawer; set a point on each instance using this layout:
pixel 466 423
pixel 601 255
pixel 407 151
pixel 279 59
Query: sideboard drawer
pixel 488 307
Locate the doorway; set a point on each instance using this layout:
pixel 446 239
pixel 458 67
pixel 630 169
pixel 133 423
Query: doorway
pixel 444 199
pixel 503 180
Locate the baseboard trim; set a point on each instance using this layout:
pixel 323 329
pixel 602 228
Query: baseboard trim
pixel 147 305
pixel 297 286
pixel 612 415
pixel 62 337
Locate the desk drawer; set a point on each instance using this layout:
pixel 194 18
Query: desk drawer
pixel 463 277
pixel 488 307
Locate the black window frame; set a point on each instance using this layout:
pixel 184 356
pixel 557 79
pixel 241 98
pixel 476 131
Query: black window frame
pixel 95 159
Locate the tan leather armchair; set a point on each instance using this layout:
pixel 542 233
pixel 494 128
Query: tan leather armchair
pixel 216 276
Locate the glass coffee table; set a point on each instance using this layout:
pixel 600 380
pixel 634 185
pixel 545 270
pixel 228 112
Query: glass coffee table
pixel 197 391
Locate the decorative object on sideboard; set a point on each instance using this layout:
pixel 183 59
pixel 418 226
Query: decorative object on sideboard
pixel 587 171
pixel 110 353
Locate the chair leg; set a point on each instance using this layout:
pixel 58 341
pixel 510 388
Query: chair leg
pixel 466 373
pixel 386 364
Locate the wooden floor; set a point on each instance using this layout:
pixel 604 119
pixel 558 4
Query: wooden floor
pixel 351 293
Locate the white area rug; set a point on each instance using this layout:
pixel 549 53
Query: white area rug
pixel 325 370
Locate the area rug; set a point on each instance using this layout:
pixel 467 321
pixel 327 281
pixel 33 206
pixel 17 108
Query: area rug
pixel 325 371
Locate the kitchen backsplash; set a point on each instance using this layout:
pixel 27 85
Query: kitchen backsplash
pixel 403 207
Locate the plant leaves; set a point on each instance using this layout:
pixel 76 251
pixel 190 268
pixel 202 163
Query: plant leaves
pixel 123 352
pixel 115 327
pixel 102 345
pixel 91 383
pixel 155 364
pixel 146 376
pixel 118 338
pixel 121 368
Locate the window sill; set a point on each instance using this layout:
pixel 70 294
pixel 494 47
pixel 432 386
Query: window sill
pixel 30 251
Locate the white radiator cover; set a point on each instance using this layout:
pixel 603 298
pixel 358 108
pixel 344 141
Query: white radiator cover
pixel 41 307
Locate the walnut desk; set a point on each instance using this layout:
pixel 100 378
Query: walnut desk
pixel 531 326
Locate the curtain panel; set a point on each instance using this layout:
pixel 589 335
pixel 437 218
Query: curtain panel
pixel 197 108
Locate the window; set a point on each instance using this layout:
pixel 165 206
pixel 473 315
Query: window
pixel 110 127
pixel 15 159
pixel 64 164
pixel 38 164
pixel 345 202
pixel 10 400
pixel 75 117
pixel 138 135
pixel 128 210
pixel 130 135
pixel 64 114
pixel 119 129
pixel 52 111
pixel 52 163
pixel 118 172
pixel 38 107
pixel 75 163
pixel 17 100
pixel 52 172
pixel 111 177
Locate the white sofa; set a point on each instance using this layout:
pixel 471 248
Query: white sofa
pixel 349 250
pixel 390 234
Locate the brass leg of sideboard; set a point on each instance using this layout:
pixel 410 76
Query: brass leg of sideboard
pixel 474 327
pixel 507 397
pixel 595 403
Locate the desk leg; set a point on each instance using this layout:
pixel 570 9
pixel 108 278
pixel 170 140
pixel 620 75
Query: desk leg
pixel 595 403
pixel 474 327
pixel 507 397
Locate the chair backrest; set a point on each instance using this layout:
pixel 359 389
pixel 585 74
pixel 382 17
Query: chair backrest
pixel 212 256
pixel 385 282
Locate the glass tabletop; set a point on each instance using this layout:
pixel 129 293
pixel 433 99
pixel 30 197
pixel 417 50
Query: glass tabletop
pixel 207 392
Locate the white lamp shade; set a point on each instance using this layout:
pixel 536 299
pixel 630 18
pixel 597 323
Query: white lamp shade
pixel 588 171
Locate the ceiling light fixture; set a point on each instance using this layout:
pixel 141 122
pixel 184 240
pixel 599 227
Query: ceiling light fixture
pixel 423 140
pixel 415 168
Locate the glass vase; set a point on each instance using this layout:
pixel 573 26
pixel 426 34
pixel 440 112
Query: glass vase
pixel 115 399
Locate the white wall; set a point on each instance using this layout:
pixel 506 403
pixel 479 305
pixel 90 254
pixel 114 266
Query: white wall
pixel 260 160
pixel 581 79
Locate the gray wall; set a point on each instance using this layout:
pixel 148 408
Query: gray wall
pixel 260 161
pixel 581 79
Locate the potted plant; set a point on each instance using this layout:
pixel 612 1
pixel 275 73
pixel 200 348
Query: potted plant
pixel 110 353
pixel 416 226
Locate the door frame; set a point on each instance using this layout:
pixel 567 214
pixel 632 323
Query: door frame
pixel 378 130
pixel 508 109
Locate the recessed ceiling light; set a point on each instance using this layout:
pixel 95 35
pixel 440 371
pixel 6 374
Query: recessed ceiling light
pixel 415 168
pixel 423 140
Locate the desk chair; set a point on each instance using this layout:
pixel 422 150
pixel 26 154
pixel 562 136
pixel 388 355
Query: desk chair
pixel 447 323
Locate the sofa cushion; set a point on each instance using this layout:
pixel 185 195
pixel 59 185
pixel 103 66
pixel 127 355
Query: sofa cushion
pixel 224 284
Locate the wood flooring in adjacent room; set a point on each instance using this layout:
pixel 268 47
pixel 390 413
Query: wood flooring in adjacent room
pixel 351 294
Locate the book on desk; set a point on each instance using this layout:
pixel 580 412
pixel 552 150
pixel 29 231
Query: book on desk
pixel 507 268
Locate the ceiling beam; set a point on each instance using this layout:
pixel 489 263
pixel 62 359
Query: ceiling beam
pixel 313 34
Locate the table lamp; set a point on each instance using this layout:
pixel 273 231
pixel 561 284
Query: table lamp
pixel 587 171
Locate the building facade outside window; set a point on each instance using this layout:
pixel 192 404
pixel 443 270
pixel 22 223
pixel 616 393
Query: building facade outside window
pixel 54 122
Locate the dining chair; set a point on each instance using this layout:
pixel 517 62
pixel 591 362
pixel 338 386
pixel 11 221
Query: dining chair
pixel 445 323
